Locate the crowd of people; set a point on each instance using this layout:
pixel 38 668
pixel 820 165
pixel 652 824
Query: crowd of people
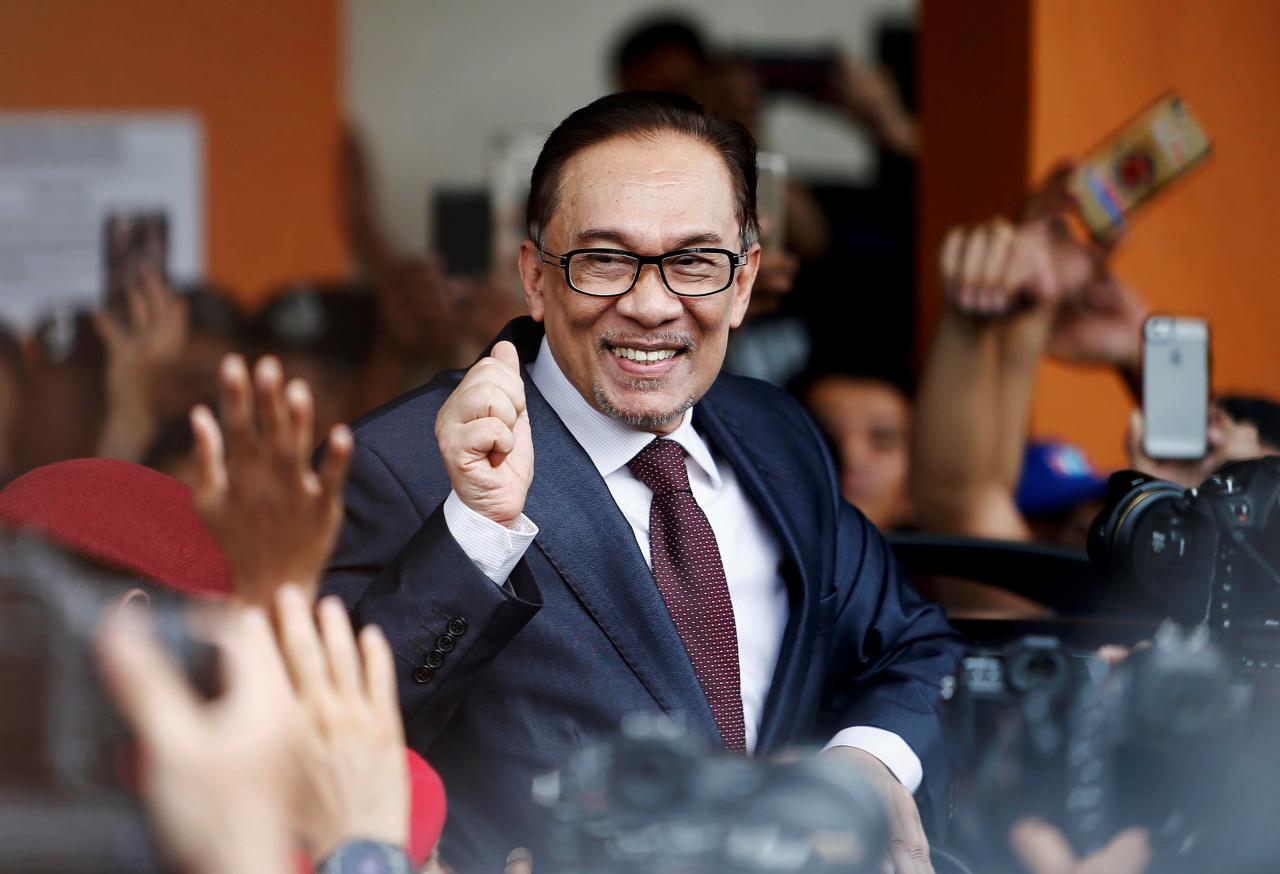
pixel 432 581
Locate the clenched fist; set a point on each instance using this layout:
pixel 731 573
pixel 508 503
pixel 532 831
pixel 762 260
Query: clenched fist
pixel 484 438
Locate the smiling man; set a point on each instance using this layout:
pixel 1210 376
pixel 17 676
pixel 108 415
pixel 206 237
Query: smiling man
pixel 681 544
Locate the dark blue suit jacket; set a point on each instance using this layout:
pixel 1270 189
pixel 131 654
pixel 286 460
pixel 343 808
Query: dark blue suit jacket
pixel 580 635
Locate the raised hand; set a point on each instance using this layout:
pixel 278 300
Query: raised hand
pixel 353 777
pixel 484 437
pixel 218 776
pixel 997 267
pixel 138 354
pixel 275 518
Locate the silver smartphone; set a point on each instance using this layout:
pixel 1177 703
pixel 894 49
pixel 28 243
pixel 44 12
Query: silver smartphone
pixel 1175 387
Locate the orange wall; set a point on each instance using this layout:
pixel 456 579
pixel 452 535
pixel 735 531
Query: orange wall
pixel 974 128
pixel 262 76
pixel 1206 248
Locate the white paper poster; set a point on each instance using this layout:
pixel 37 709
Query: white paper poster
pixel 61 174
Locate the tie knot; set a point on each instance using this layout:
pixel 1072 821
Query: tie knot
pixel 660 466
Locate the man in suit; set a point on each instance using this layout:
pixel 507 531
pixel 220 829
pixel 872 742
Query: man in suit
pixel 682 546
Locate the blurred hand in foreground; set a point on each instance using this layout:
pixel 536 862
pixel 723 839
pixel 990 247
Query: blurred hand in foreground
pixel 908 846
pixel 275 518
pixel 353 781
pixel 1042 849
pixel 218 776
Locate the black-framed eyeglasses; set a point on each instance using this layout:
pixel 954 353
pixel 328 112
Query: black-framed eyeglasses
pixel 613 272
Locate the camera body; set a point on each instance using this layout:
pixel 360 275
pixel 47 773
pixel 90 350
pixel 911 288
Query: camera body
pixel 1209 555
pixel 1039 730
pixel 654 800
pixel 65 755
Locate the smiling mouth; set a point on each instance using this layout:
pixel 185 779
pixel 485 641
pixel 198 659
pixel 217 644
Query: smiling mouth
pixel 644 356
pixel 652 350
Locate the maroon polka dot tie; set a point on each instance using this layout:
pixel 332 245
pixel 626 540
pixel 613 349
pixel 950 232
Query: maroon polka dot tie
pixel 690 576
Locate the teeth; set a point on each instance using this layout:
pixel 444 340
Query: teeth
pixel 642 355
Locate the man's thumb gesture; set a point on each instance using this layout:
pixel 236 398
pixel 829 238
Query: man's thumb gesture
pixel 484 437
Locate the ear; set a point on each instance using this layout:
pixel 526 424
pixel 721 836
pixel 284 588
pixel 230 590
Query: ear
pixel 531 279
pixel 743 280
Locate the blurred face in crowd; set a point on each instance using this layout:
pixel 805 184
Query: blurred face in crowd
pixel 666 68
pixel 647 196
pixel 870 423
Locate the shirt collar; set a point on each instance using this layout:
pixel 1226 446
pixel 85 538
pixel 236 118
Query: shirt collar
pixel 609 443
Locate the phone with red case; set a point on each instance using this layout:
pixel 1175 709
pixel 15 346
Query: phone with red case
pixel 1158 146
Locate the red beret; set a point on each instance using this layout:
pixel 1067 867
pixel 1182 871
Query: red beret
pixel 122 515
pixel 426 808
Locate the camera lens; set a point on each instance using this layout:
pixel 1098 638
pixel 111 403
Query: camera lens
pixel 1130 498
pixel 1034 667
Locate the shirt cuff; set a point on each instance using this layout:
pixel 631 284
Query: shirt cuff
pixel 494 548
pixel 891 750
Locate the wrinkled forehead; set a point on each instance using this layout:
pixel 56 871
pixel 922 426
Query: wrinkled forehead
pixel 646 194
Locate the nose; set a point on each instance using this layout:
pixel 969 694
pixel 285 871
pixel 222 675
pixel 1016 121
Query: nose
pixel 650 303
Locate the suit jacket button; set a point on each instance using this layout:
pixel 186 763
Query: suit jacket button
pixel 457 626
pixel 422 675
pixel 444 643
pixel 434 659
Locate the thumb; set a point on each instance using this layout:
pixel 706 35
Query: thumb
pixel 505 352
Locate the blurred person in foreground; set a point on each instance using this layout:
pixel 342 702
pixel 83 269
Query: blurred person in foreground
pixel 712 572
pixel 276 520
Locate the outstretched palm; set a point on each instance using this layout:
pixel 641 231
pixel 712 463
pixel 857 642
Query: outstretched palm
pixel 275 518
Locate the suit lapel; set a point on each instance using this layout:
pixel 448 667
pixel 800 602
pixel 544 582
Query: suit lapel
pixel 796 527
pixel 586 538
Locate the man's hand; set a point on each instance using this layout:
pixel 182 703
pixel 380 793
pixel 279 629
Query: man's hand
pixel 1042 849
pixel 218 777
pixel 353 780
pixel 908 846
pixel 484 437
pixel 274 517
pixel 996 267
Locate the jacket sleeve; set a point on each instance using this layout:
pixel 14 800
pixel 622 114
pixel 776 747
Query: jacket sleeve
pixel 445 620
pixel 890 651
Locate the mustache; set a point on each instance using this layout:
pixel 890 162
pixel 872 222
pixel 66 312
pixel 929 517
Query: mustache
pixel 675 339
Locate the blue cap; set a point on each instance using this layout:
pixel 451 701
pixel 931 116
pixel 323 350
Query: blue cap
pixel 1055 477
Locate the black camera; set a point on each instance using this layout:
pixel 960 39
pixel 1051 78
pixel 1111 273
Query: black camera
pixel 65 755
pixel 655 801
pixel 1207 555
pixel 1041 731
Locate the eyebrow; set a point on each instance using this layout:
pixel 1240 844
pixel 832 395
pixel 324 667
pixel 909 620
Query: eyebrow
pixel 618 238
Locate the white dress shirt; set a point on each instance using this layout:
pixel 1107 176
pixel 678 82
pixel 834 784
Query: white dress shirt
pixel 748 548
